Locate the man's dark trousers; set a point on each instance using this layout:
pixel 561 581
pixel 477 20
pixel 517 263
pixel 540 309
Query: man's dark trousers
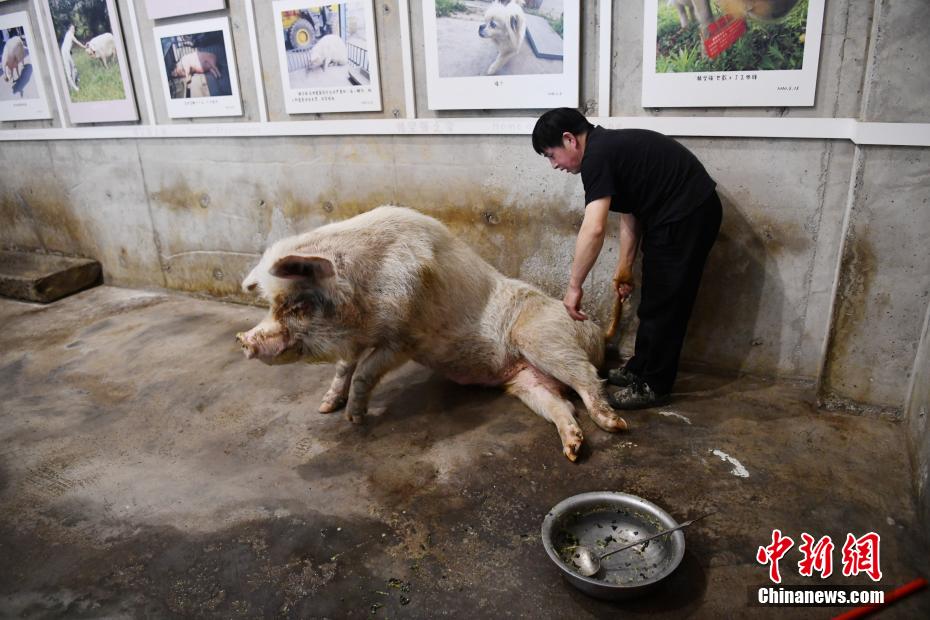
pixel 673 261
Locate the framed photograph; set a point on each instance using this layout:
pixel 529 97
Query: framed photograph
pixel 158 9
pixel 731 52
pixel 198 71
pixel 22 95
pixel 328 55
pixel 483 54
pixel 92 61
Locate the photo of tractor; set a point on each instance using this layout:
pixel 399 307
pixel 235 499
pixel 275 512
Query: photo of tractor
pixel 304 27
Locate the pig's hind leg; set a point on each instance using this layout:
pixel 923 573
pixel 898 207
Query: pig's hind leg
pixel 542 394
pixel 374 365
pixel 554 351
pixel 338 393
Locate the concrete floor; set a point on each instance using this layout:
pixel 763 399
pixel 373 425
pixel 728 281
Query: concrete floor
pixel 148 470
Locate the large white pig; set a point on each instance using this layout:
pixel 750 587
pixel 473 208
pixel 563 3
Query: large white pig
pixel 14 55
pixel 393 284
pixel 330 50
pixel 196 62
pixel 103 46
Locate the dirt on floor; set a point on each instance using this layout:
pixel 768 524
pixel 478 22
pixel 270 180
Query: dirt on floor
pixel 148 470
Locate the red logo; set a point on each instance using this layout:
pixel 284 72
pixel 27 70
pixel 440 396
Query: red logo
pixel 860 555
pixel 773 553
pixel 817 557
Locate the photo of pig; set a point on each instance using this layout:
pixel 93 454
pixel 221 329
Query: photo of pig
pixel 196 65
pixel 90 53
pixel 198 71
pixel 774 39
pixel 326 45
pixel 499 37
pixel 102 47
pixel 18 81
pixel 392 285
pixel 22 93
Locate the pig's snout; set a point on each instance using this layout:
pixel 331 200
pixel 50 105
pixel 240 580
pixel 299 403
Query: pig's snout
pixel 268 346
pixel 248 348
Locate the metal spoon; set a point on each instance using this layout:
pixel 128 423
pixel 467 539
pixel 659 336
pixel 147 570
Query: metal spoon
pixel 589 562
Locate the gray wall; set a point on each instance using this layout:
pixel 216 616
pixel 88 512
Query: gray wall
pixel 918 409
pixel 819 273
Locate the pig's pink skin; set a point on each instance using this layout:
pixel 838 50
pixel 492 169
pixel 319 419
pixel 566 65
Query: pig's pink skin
pixel 196 62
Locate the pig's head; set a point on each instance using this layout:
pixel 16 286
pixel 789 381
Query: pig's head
pixel 91 51
pixel 305 320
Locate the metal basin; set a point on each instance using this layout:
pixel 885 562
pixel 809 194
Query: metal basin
pixel 603 521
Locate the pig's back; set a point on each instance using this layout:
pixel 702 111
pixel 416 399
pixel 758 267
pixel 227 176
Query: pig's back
pixel 331 46
pixel 102 41
pixel 13 50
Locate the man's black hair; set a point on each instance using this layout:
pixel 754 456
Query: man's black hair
pixel 551 125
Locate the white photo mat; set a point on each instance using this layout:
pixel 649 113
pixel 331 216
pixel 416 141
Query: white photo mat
pixel 158 9
pixel 115 109
pixel 203 80
pixel 313 83
pixel 743 88
pixel 457 64
pixel 23 98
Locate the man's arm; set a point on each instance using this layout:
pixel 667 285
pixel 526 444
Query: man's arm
pixel 629 244
pixel 587 247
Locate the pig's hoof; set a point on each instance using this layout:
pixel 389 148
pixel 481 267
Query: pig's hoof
pixel 610 422
pixel 355 418
pixel 571 442
pixel 332 403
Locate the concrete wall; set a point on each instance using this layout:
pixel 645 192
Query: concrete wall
pixel 818 273
pixel 918 410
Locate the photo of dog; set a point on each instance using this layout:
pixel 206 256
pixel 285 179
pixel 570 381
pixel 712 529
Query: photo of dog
pixel 498 37
pixel 505 25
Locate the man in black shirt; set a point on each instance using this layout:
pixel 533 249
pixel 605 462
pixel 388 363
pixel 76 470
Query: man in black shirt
pixel 668 202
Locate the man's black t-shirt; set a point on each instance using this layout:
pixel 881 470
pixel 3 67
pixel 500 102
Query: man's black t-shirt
pixel 645 173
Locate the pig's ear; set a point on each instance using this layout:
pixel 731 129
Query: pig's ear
pixel 296 267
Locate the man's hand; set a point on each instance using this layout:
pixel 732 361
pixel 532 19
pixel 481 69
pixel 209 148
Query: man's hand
pixel 624 291
pixel 572 302
pixel 623 283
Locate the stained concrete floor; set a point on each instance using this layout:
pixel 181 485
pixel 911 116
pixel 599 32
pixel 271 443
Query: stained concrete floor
pixel 148 470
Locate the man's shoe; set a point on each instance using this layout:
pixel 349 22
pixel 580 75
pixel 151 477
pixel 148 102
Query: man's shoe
pixel 638 395
pixel 621 377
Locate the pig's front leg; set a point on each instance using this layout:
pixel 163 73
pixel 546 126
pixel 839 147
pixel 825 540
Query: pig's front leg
pixel 338 392
pixel 369 371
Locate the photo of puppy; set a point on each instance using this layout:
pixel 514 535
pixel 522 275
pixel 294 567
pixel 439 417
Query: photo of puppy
pixel 514 37
pixel 505 24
